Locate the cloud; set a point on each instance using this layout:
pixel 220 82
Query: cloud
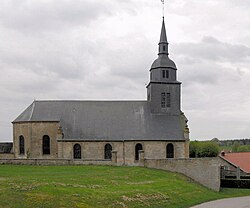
pixel 215 78
pixel 212 49
pixel 36 16
pixel 89 49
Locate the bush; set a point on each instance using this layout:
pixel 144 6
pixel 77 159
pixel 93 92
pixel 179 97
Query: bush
pixel 227 183
pixel 236 146
pixel 203 149
pixel 243 149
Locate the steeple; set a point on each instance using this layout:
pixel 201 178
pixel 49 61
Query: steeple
pixel 163 90
pixel 163 44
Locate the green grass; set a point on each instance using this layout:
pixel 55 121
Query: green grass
pixel 101 186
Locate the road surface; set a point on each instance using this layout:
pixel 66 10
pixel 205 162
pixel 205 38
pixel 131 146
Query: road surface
pixel 239 202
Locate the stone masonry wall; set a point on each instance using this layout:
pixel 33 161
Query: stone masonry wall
pixel 125 151
pixel 6 156
pixel 33 133
pixel 205 171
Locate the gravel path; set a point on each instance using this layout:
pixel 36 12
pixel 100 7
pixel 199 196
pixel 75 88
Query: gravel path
pixel 239 202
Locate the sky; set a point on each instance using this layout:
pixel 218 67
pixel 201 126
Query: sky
pixel 103 50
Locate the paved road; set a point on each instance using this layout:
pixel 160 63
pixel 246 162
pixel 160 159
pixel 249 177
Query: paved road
pixel 239 202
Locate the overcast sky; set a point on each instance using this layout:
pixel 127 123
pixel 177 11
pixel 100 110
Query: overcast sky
pixel 92 49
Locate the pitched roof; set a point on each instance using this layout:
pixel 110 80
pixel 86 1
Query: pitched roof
pixel 105 120
pixel 241 159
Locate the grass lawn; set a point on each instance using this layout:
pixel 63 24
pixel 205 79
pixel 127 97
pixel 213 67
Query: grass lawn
pixel 100 186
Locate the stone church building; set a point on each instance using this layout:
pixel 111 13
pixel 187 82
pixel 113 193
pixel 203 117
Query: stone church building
pixel 98 130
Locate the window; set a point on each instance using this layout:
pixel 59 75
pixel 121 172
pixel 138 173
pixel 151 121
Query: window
pixel 46 145
pixel 165 100
pixel 165 73
pixel 21 145
pixel 108 151
pixel 138 147
pixel 170 150
pixel 168 100
pixel 164 48
pixel 77 151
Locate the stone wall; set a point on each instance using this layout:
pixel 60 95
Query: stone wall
pixel 33 133
pixel 205 171
pixel 6 156
pixel 54 162
pixel 125 151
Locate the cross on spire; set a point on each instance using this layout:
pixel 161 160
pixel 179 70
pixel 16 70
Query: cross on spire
pixel 162 1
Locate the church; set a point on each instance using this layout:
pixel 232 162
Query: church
pixel 96 130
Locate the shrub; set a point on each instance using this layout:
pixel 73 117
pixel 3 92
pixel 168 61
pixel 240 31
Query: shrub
pixel 243 149
pixel 203 149
pixel 236 146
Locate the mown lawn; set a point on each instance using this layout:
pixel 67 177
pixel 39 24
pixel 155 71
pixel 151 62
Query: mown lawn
pixel 100 186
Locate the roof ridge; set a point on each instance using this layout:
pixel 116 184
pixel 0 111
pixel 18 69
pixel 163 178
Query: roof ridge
pixel 32 110
pixel 91 101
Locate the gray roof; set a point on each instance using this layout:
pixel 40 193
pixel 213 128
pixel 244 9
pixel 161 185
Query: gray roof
pixel 163 37
pixel 105 120
pixel 163 61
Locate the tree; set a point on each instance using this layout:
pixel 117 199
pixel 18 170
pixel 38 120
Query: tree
pixel 243 149
pixel 193 148
pixel 236 146
pixel 203 149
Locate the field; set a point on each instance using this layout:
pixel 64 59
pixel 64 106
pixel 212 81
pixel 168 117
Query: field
pixel 100 186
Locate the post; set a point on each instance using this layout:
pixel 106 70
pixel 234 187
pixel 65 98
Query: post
pixel 141 157
pixel 114 157
pixel 238 173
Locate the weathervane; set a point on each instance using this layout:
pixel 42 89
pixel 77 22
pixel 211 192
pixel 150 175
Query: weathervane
pixel 162 1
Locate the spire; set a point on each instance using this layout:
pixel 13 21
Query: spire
pixel 163 44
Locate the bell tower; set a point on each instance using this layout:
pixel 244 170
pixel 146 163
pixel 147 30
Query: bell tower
pixel 163 90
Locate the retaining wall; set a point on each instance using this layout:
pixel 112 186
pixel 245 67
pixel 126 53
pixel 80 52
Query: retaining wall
pixel 205 171
pixel 54 162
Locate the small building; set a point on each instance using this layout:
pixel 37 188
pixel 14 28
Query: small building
pixel 82 129
pixel 238 159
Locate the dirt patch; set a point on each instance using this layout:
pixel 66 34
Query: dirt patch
pixel 145 198
pixel 140 183
pixel 91 186
pixel 22 187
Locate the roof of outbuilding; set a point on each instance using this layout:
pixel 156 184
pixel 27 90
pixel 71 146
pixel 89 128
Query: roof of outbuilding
pixel 241 159
pixel 105 120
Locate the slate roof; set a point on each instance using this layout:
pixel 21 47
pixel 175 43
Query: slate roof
pixel 105 120
pixel 241 159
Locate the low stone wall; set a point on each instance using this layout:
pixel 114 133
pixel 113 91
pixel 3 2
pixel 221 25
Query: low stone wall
pixel 205 171
pixel 6 156
pixel 54 162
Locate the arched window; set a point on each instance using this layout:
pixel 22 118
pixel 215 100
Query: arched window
pixel 46 145
pixel 108 151
pixel 170 150
pixel 77 151
pixel 21 145
pixel 138 147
